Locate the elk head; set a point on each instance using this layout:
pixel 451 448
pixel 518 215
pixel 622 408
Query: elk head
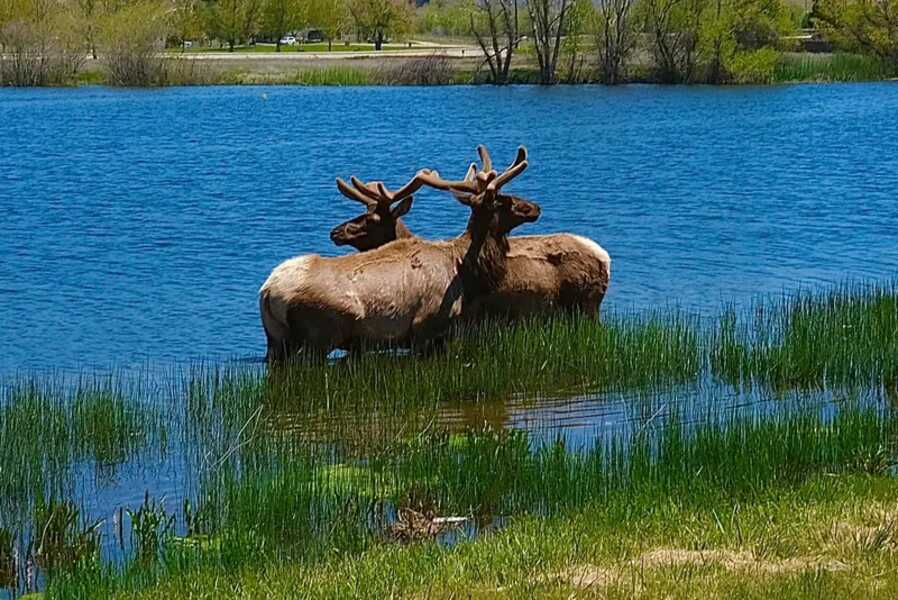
pixel 380 223
pixel 492 211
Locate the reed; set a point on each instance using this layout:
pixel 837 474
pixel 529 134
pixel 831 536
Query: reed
pixel 848 336
pixel 839 67
pixel 45 431
pixel 332 76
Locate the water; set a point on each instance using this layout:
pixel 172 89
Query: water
pixel 137 226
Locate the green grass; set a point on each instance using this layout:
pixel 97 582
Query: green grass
pixel 848 336
pixel 311 47
pixel 44 432
pixel 297 474
pixel 337 75
pixel 830 537
pixel 837 67
pixel 300 520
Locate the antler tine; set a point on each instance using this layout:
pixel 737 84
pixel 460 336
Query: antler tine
pixel 508 175
pixel 471 175
pixel 485 158
pixel 355 194
pixel 365 188
pixel 433 179
pixel 416 183
pixel 521 157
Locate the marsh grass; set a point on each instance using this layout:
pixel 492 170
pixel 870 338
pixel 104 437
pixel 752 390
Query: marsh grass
pixel 848 336
pixel 563 355
pixel 62 538
pixel 839 67
pixel 269 492
pixel 306 511
pixel 44 432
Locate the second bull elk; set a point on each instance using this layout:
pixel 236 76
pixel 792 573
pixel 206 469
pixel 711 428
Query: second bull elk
pixel 403 292
pixel 544 273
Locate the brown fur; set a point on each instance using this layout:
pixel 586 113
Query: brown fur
pixel 544 273
pixel 403 292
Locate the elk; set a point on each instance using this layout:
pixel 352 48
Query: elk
pixel 404 292
pixel 544 273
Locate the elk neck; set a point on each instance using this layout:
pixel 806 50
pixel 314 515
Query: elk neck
pixel 402 232
pixel 483 254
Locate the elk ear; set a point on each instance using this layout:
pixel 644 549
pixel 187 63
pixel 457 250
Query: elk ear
pixel 403 207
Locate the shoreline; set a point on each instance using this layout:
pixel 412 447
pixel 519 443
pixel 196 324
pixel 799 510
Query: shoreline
pixel 434 67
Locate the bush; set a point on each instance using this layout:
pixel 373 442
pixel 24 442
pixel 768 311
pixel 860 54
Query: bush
pixel 431 70
pixel 32 56
pixel 132 40
pixel 755 66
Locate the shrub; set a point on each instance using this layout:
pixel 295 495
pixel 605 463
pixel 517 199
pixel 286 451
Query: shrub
pixel 755 66
pixel 435 69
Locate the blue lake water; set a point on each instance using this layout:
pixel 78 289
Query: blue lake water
pixel 137 226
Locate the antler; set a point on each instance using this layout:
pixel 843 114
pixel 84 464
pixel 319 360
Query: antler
pixel 485 181
pixel 354 193
pixel 485 158
pixel 376 193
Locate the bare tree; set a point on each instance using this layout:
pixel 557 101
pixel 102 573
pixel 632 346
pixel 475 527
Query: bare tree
pixel 494 24
pixel 614 38
pixel 548 19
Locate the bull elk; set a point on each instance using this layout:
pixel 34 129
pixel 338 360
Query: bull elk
pixel 403 292
pixel 544 273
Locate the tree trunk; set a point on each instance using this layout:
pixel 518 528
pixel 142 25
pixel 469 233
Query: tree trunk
pixel 378 41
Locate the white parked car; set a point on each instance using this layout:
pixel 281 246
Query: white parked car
pixel 288 40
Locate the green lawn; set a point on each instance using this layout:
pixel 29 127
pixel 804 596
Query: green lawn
pixel 311 47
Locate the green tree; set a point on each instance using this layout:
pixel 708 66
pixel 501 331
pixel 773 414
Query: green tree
pixel 445 17
pixel 732 30
pixel 379 19
pixel 186 20
pixel 615 38
pixel 233 21
pixel 865 26
pixel 282 16
pixel 674 29
pixel 548 25
pixel 331 17
pixel 495 26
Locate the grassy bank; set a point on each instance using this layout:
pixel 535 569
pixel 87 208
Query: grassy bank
pixel 831 537
pixel 737 492
pixel 396 70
